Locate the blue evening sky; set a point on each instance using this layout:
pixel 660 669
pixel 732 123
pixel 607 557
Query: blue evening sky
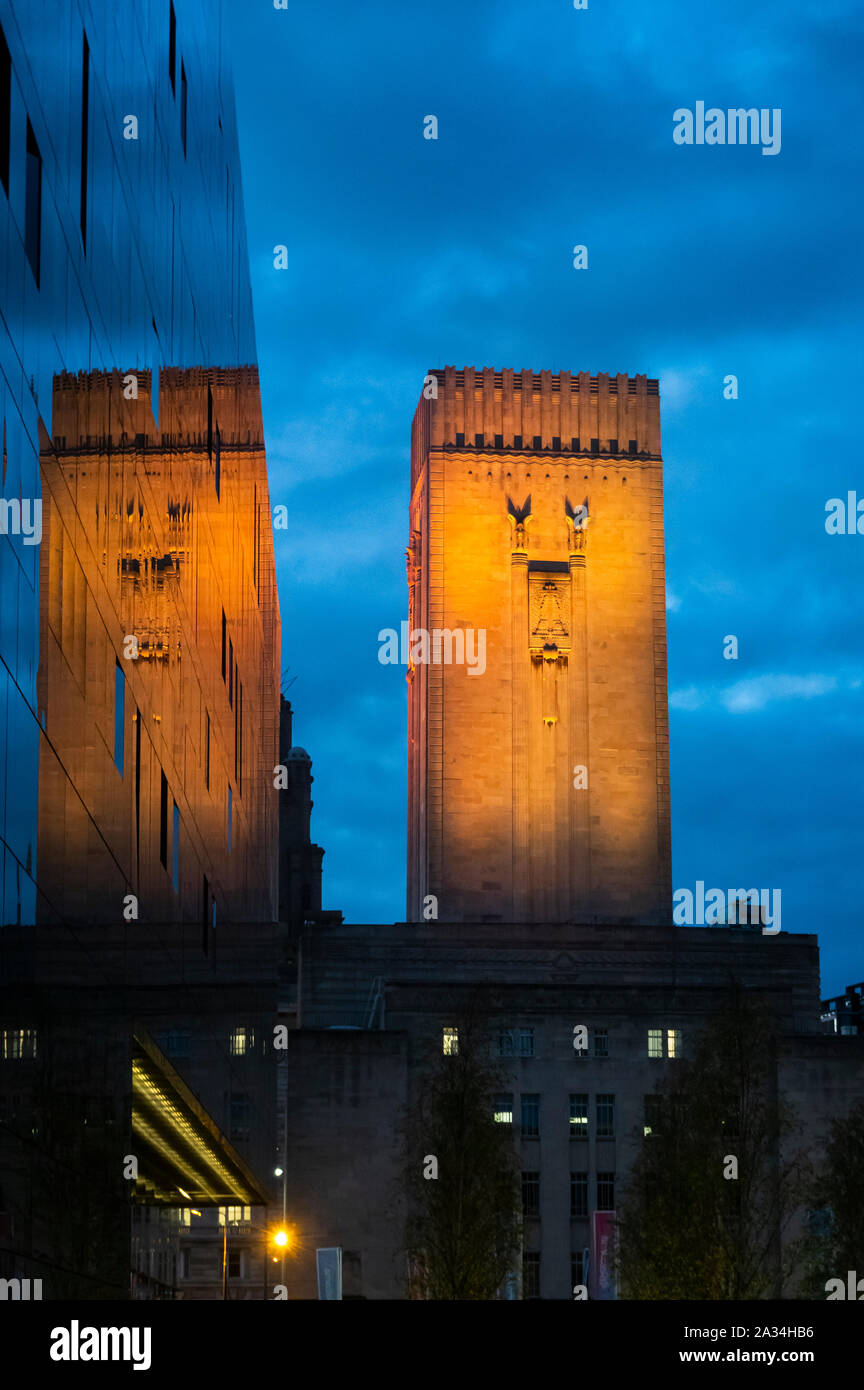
pixel 555 128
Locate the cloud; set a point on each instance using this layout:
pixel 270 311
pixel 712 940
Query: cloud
pixel 756 692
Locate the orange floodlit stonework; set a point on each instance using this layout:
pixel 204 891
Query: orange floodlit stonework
pixel 539 792
pixel 158 681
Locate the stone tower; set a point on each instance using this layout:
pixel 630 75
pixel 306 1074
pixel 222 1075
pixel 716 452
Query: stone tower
pixel 538 777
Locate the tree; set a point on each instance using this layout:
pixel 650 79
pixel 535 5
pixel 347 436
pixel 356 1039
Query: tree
pixel 834 1244
pixel 713 1189
pixel 459 1173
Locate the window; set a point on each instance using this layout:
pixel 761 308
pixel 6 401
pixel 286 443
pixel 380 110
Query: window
pixel 657 1037
pixel 531 1274
pixel 236 1263
pixel 172 45
pixel 234 1216
pixel 634 446
pixel 206 750
pixel 605 1191
pixel 517 441
pixel 119 715
pixel 605 1116
pixel 579 1116
pixel 173 1043
pixel 530 1116
pixel 577 1268
pixel 503 1110
pixel 239 1107
pixel 450 1042
pixel 18 1044
pixel 5 110
pixel 230 673
pixel 531 1194
pixel 595 446
pixel 33 205
pixel 538 441
pixel 516 1042
pixel 478 441
pixel 460 440
pixel 653 1114
pixel 556 443
pixel 613 446
pixel 163 820
pixel 175 849
pixel 242 1041
pixel 579 1194
pixel 499 441
pixel 85 128
pixel 184 96
pixel 230 817
pixel 601 1042
pixel 224 642
pixel 574 443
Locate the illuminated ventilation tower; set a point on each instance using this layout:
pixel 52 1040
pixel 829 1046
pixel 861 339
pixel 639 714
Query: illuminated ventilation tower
pixel 538 790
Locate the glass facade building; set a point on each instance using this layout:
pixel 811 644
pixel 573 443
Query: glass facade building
pixel 139 641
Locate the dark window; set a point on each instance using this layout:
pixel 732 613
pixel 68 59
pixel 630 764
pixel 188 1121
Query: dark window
pixel 601 1042
pixel 517 441
pixel 653 1114
pixel 183 102
pixel 530 1194
pixel 85 127
pixel 230 673
pixel 224 643
pixel 634 446
pixel 33 208
pixel 556 443
pixel 538 441
pixel 172 46
pixel 530 1116
pixel 605 1116
pixel 579 1115
pixel 235 1264
pixel 119 715
pixel 163 821
pixel 479 440
pixel 531 1274
pixel 595 446
pixel 613 446
pixel 460 440
pixel 210 424
pixel 238 1113
pixel 577 1268
pixel 574 444
pixel 499 441
pixel 175 849
pixel 5 110
pixel 605 1191
pixel 578 1194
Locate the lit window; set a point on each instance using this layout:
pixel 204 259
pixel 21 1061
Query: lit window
pixel 503 1111
pixel 657 1037
pixel 234 1216
pixel 579 1116
pixel 242 1041
pixel 605 1116
pixel 673 1042
pixel 655 1042
pixel 451 1042
pixel 18 1044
